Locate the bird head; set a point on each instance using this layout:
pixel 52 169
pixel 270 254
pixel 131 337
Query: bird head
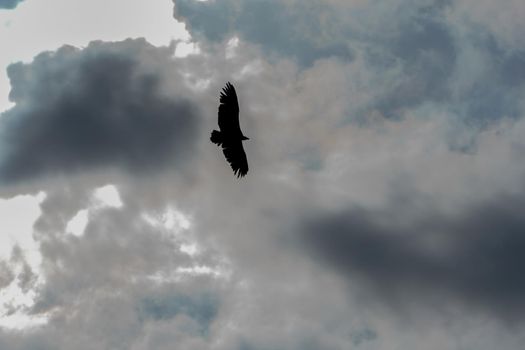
pixel 244 138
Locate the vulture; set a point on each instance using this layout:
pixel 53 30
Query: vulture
pixel 230 136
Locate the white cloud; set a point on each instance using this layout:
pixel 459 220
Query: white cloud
pixel 77 225
pixel 17 217
pixel 102 198
pixel 108 196
pixel 21 252
pixel 185 49
pixel 22 322
pixel 22 257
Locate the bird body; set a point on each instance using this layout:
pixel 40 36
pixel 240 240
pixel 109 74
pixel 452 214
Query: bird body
pixel 230 136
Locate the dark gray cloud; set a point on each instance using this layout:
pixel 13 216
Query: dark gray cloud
pixel 97 107
pixel 201 308
pixel 423 48
pixel 292 29
pixel 475 256
pixel 457 66
pixel 500 87
pixel 9 4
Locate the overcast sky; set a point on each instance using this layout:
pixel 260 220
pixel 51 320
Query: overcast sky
pixel 384 207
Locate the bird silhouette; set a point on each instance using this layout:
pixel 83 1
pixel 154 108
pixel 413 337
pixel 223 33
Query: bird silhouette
pixel 230 136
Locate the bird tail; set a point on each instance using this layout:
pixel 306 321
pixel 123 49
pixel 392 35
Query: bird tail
pixel 216 137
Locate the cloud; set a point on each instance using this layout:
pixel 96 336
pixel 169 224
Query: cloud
pixel 287 28
pixel 201 308
pixel 9 4
pixel 357 199
pixel 474 255
pixel 46 26
pixel 415 53
pixel 131 269
pixel 98 107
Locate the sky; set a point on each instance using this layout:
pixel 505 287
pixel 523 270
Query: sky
pixel 384 205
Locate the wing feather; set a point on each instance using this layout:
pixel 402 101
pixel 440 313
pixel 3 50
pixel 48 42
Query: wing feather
pixel 229 110
pixel 235 155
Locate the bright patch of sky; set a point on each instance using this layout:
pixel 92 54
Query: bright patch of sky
pixel 184 49
pixel 219 272
pixel 170 219
pixel 14 303
pixel 108 196
pixel 43 25
pixel 175 223
pixel 102 197
pixel 191 249
pixel 231 47
pixel 17 217
pixel 22 321
pixel 201 270
pixel 77 225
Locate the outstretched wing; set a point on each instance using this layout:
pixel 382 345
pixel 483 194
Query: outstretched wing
pixel 230 136
pixel 229 110
pixel 234 153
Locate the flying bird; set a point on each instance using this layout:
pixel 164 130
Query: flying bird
pixel 230 136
